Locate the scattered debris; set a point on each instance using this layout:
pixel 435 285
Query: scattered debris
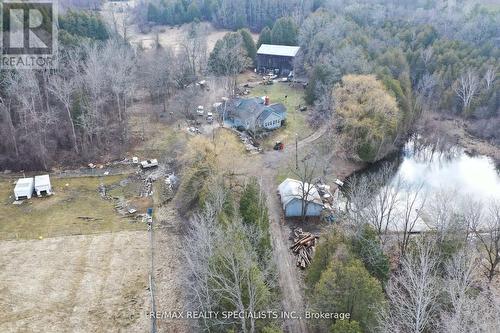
pixel 102 191
pixel 339 182
pixel 194 130
pixel 303 247
pixel 89 218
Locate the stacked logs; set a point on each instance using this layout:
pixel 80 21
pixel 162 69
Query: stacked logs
pixel 303 247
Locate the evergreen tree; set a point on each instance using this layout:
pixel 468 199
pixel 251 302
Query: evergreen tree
pixel 265 37
pixel 249 44
pixel 346 286
pixel 367 247
pixel 253 211
pixel 284 32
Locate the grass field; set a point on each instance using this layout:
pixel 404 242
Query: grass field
pixel 86 283
pixel 296 121
pixel 57 215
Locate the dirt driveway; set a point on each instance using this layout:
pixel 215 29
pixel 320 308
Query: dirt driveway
pixel 290 280
pixel 91 283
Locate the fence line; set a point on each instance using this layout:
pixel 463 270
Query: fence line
pixel 151 276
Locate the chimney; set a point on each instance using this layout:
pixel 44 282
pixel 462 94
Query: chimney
pixel 266 100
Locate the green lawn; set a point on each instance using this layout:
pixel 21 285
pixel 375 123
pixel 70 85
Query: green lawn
pixel 57 215
pixel 296 121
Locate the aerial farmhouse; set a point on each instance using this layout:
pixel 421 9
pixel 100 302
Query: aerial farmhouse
pixel 255 114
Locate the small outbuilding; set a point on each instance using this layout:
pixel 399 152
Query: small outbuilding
pixel 24 188
pixel 276 57
pixel 293 193
pixel 42 185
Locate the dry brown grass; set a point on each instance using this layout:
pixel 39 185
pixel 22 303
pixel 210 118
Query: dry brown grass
pixel 92 283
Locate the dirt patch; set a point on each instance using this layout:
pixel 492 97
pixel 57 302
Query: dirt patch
pixel 94 283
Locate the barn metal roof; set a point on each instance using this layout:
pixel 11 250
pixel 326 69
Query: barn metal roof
pixel 278 50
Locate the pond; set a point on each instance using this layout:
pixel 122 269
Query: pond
pixel 452 170
pixel 435 176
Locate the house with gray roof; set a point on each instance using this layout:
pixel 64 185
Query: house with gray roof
pixel 254 114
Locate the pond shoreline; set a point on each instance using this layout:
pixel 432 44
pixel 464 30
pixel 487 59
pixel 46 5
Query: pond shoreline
pixel 453 130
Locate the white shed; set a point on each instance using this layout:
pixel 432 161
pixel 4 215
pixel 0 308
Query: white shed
pixel 42 185
pixel 292 191
pixel 24 188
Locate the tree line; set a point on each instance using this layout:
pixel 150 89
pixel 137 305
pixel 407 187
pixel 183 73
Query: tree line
pixel 80 111
pixel 229 14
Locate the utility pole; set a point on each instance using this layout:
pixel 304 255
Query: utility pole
pixel 296 151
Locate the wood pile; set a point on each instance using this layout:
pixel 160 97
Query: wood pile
pixel 303 247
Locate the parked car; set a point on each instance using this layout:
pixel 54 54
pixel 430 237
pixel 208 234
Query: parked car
pixel 149 164
pixel 200 110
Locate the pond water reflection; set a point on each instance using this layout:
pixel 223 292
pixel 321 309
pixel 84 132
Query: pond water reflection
pixel 453 170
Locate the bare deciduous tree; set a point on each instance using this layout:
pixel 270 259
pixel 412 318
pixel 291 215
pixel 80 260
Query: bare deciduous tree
pixel 222 272
pixel 489 77
pixel 374 199
pixel 305 172
pixel 409 212
pixel 467 87
pixel 487 232
pixel 413 293
pixel 460 277
pixel 63 90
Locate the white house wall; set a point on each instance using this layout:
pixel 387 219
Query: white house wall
pixel 273 121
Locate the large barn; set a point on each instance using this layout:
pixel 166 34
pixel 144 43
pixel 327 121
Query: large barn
pixel 276 57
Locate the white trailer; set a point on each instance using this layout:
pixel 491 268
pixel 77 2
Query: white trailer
pixel 24 188
pixel 42 185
